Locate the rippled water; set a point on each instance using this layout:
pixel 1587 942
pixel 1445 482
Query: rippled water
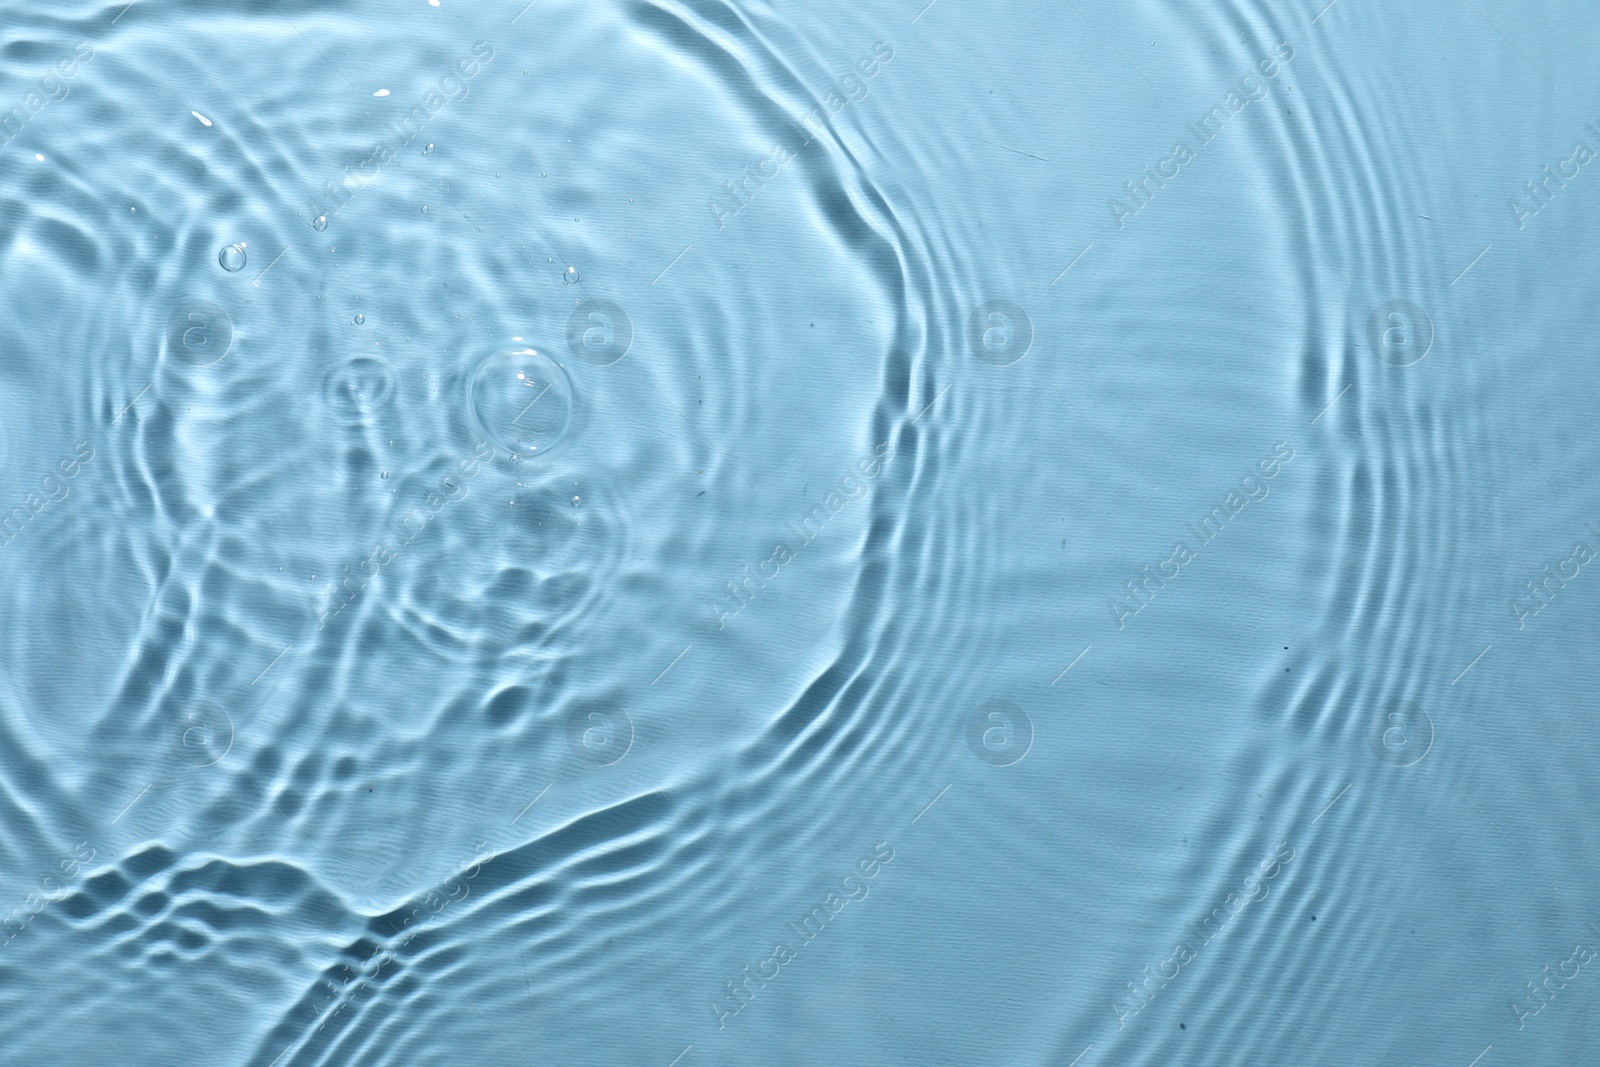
pixel 675 532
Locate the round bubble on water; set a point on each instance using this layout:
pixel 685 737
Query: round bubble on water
pixel 522 399
pixel 428 151
pixel 569 275
pixel 360 319
pixel 319 223
pixel 232 257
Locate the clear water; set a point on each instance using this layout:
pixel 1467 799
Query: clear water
pixel 682 532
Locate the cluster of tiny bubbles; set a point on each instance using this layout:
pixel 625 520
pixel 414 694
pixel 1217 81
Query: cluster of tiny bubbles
pixel 232 257
pixel 319 223
pixel 569 275
pixel 522 400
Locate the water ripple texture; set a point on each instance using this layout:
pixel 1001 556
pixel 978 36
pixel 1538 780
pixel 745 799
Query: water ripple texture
pixel 695 532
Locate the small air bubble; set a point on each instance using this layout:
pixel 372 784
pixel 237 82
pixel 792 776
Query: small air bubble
pixel 232 257
pixel 428 151
pixel 569 275
pixel 577 501
pixel 319 223
pixel 360 319
pixel 385 474
pixel 424 209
